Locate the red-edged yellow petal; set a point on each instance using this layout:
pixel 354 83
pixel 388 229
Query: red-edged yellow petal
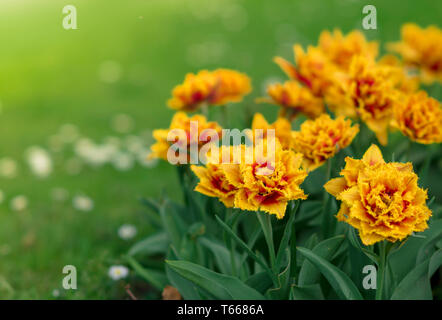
pixel 336 186
pixel 373 155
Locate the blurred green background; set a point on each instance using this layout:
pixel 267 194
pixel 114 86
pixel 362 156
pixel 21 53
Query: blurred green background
pixel 108 82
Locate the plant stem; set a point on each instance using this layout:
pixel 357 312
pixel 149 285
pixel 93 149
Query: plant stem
pixel 182 170
pixel 326 216
pixel 293 252
pixel 381 270
pixel 266 225
pixel 229 242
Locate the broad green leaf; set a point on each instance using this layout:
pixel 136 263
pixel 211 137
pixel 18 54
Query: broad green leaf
pixel 154 244
pixel 265 220
pixel 311 242
pixel 172 223
pixel 151 204
pixel 355 242
pixel 187 289
pixel 289 228
pixel 340 282
pixel 428 247
pixel 154 213
pixel 219 285
pixel 308 210
pixel 260 281
pixel 403 260
pixel 154 277
pixel 415 285
pixel 435 263
pixel 243 245
pixel 283 289
pixel 325 249
pixel 309 292
pixel 221 254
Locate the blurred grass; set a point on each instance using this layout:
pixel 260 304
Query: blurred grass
pixel 50 76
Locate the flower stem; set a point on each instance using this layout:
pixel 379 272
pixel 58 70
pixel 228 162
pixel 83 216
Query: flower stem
pixel 326 216
pixel 381 270
pixel 266 225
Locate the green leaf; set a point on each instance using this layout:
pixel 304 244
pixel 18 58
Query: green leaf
pixel 325 249
pixel 154 244
pixel 172 223
pixel 153 213
pixel 415 285
pixel 222 255
pixel 428 246
pixel 283 245
pixel 309 292
pixel 265 220
pixel 151 204
pixel 308 210
pixel 245 247
pixel 435 263
pixel 355 242
pixel 219 285
pixel 187 289
pixel 154 277
pixel 403 260
pixel 260 282
pixel 283 289
pixel 340 282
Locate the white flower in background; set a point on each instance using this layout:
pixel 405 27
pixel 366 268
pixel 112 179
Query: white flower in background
pixel 134 144
pixel 83 146
pixel 2 196
pixel 143 159
pixel 55 293
pixel 83 203
pixel 69 133
pixel 19 203
pixel 127 231
pixel 123 161
pixel 122 123
pixel 8 168
pixel 118 272
pixel 110 71
pixel 59 194
pixel 114 141
pixel 94 154
pixel 39 161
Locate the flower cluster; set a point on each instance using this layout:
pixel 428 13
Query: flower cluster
pixel 381 200
pixel 263 182
pixel 421 48
pixel 211 88
pixel 181 135
pixel 342 71
pixel 317 67
pixel 320 139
